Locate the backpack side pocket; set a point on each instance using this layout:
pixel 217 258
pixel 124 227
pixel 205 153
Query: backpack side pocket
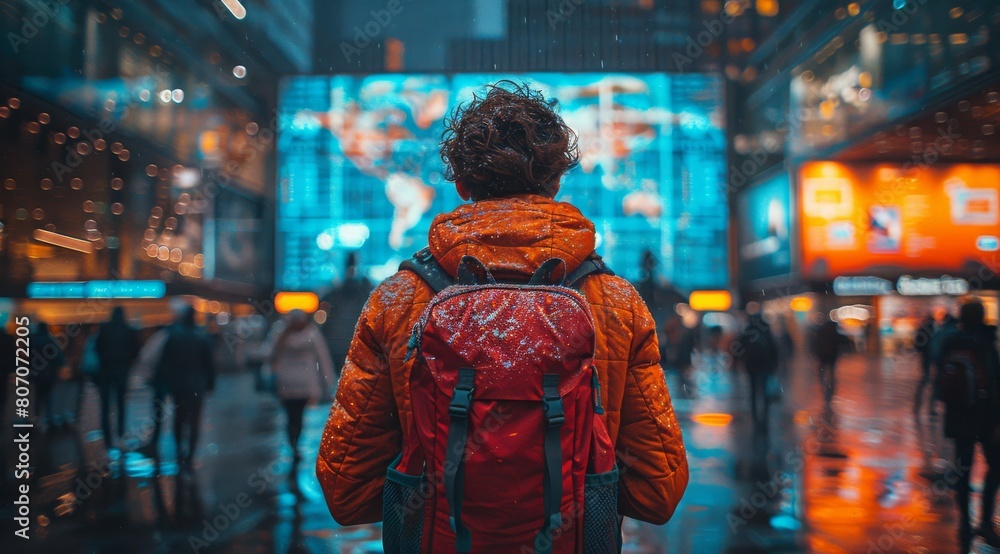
pixel 403 500
pixel 601 524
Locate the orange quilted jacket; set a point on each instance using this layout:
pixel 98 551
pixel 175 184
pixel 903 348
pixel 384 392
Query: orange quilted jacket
pixel 512 236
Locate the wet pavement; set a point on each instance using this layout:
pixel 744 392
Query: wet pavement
pixel 861 474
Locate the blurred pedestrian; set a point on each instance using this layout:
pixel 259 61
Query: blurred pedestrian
pixel 67 388
pixel 828 342
pixel 969 384
pixel 678 345
pixel 117 346
pixel 185 373
pixel 676 352
pixel 345 304
pixel 657 292
pixel 949 326
pixel 648 285
pixel 47 359
pixel 716 353
pixel 300 361
pixel 758 352
pixel 922 341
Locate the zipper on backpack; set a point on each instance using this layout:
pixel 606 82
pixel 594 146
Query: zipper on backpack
pixel 413 344
pixel 596 385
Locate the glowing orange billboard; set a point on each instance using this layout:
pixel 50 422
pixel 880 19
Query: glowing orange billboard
pixel 891 219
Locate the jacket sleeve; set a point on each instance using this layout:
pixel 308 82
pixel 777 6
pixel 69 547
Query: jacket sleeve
pixel 650 448
pixel 362 434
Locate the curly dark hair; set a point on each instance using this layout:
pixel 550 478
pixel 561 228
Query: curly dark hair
pixel 508 141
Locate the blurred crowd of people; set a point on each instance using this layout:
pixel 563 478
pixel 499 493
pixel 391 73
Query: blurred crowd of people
pixel 294 360
pixel 959 367
pixel 960 360
pixel 177 362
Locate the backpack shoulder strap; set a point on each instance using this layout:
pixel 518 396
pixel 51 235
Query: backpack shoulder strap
pixel 592 265
pixel 424 265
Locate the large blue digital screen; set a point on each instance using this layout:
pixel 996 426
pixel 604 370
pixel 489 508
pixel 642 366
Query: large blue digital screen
pixel 360 170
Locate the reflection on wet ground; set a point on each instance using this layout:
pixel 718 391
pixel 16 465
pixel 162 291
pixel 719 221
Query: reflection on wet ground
pixel 861 474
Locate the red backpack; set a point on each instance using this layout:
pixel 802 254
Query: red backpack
pixel 507 452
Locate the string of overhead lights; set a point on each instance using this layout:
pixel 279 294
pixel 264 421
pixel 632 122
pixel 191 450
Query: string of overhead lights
pixel 159 245
pixel 156 243
pixel 977 117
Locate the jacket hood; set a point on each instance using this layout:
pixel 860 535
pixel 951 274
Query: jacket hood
pixel 512 235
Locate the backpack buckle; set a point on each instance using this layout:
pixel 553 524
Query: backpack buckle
pixel 461 399
pixel 413 344
pixel 424 255
pixel 553 408
pixel 595 383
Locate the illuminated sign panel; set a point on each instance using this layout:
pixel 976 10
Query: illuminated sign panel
pixel 911 286
pixel 711 300
pixel 861 286
pixel 892 220
pixel 237 246
pixel 97 289
pixel 285 302
pixel 764 222
pixel 800 304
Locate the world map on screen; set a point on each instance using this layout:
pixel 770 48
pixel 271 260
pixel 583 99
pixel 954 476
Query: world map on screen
pixel 360 168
